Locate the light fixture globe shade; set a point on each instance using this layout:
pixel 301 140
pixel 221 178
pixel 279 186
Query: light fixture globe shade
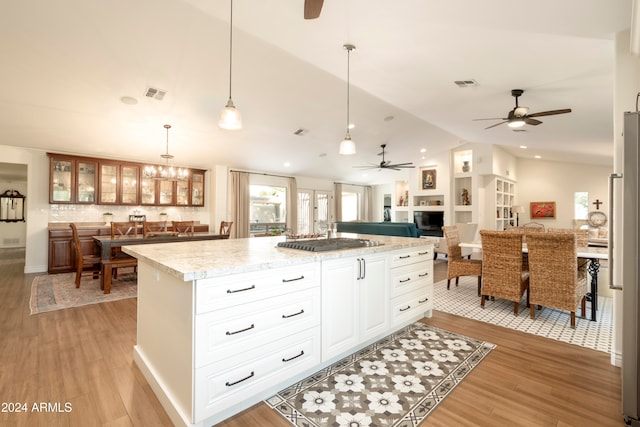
pixel 516 123
pixel 230 118
pixel 347 146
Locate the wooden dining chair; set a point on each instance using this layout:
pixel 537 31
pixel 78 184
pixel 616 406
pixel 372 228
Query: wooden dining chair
pixel 554 277
pixel 457 265
pixel 183 227
pixel 503 273
pixel 150 227
pixel 225 228
pixel 85 264
pixel 124 228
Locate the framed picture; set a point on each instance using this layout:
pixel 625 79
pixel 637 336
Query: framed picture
pixel 428 179
pixel 543 210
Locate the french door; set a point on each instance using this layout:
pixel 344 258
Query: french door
pixel 315 211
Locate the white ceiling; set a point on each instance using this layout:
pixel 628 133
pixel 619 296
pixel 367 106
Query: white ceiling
pixel 67 64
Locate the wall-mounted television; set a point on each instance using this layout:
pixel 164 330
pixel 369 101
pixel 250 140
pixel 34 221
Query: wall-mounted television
pixel 429 223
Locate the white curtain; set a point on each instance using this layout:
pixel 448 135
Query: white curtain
pixel 239 204
pixel 337 191
pixel 368 203
pixel 292 205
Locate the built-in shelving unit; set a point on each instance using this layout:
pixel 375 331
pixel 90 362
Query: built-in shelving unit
pixel 464 184
pixel 504 200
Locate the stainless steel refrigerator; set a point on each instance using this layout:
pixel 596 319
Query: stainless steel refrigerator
pixel 631 301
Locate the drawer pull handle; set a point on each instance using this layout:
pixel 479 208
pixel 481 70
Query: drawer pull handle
pixel 423 253
pixel 424 300
pixel 228 384
pixel 293 280
pixel 229 291
pixel 405 309
pixel 241 330
pixel 294 357
pixel 408 279
pixel 423 275
pixel 404 256
pixel 286 316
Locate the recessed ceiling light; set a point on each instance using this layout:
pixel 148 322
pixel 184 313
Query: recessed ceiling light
pixel 524 147
pixel 287 164
pixel 388 118
pixel 423 150
pixel 129 100
pixel 537 156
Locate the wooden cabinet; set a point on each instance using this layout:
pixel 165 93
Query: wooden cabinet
pixel 72 180
pixel 354 302
pixel 62 257
pixel 78 180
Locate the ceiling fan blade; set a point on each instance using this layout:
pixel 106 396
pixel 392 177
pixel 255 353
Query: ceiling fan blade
pixel 369 166
pixel 312 8
pixel 407 164
pixel 497 124
pixel 531 121
pixel 550 113
pixel 494 118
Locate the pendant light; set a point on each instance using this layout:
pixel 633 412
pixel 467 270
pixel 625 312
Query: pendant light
pixel 230 118
pixel 166 173
pixel 347 146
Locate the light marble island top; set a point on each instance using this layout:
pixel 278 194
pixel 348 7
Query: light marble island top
pixel 203 259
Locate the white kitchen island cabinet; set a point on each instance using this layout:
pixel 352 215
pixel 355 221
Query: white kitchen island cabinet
pixel 225 324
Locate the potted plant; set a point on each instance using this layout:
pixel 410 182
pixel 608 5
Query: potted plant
pixel 108 217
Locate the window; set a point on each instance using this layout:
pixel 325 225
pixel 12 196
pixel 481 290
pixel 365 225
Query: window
pixel 581 205
pixel 268 209
pixel 350 206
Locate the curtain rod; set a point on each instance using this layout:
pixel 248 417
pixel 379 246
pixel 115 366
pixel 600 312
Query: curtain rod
pixel 262 173
pixel 355 185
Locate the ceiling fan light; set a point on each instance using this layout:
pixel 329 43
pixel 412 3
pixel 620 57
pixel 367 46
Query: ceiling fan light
pixel 230 118
pixel 347 146
pixel 516 123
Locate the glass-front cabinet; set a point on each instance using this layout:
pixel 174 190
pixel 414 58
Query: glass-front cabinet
pixel 148 191
pixel 130 177
pixel 197 188
pixel 182 193
pixel 108 183
pixel 86 182
pixel 166 193
pixel 72 180
pixel 61 180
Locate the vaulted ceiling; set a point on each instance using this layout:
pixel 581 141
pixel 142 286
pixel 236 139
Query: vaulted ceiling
pixel 71 69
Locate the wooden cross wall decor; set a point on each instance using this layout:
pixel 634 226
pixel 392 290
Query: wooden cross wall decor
pixel 598 203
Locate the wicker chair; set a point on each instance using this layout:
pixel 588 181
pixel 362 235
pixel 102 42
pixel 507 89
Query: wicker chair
pixel 555 280
pixel 582 241
pixel 503 275
pixel 458 266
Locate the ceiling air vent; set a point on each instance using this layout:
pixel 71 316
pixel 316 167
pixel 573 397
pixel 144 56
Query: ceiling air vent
pixel 154 93
pixel 300 132
pixel 466 83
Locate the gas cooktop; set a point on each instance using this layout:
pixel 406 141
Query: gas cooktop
pixel 333 244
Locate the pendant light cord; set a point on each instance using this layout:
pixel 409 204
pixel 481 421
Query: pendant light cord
pixel 230 46
pixel 348 83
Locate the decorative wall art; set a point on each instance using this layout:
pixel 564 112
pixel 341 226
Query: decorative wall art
pixel 428 179
pixel 543 210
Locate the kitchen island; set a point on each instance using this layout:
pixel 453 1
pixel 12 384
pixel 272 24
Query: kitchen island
pixel 224 324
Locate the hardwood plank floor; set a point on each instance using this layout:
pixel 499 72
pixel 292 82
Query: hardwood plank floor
pixel 84 356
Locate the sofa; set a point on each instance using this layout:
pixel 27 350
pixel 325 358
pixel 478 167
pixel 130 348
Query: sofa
pixel 402 229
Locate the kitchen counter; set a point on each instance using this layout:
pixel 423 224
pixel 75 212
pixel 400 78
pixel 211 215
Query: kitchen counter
pixel 207 259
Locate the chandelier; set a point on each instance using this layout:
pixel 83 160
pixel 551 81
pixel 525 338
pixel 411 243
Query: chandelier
pixel 166 172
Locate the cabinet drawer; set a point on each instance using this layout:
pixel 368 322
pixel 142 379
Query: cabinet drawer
pixel 219 386
pixel 407 257
pixel 225 333
pixel 410 277
pixel 412 306
pixel 223 292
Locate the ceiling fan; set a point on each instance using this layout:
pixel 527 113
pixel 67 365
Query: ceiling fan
pixel 518 116
pixel 386 164
pixel 312 8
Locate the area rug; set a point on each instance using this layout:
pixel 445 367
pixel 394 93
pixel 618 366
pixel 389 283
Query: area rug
pixel 550 323
pixel 58 291
pixel 396 381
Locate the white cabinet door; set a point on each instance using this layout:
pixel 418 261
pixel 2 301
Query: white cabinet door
pixel 373 295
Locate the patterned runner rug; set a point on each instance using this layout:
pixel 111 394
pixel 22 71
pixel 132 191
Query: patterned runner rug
pixel 550 323
pixel 58 291
pixel 396 381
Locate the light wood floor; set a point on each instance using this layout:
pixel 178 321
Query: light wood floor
pixel 84 356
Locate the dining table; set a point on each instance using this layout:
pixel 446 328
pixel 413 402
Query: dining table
pixel 106 243
pixel 593 253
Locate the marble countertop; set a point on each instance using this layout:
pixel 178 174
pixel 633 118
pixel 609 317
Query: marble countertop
pixel 199 260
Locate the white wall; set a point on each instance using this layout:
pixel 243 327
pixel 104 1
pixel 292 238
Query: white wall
pixel 546 181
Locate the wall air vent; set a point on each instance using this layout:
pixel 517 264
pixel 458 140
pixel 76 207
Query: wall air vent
pixel 466 83
pixel 155 93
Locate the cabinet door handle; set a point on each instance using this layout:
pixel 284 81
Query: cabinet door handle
pixel 294 357
pixel 423 275
pixel 241 330
pixel 228 384
pixel 293 280
pixel 229 291
pixel 405 309
pixel 286 316
pixel 424 300
pixel 408 279
pixel 364 268
pixel 404 256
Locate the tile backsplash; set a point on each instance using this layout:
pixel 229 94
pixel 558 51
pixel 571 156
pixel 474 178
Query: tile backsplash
pixel 93 213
